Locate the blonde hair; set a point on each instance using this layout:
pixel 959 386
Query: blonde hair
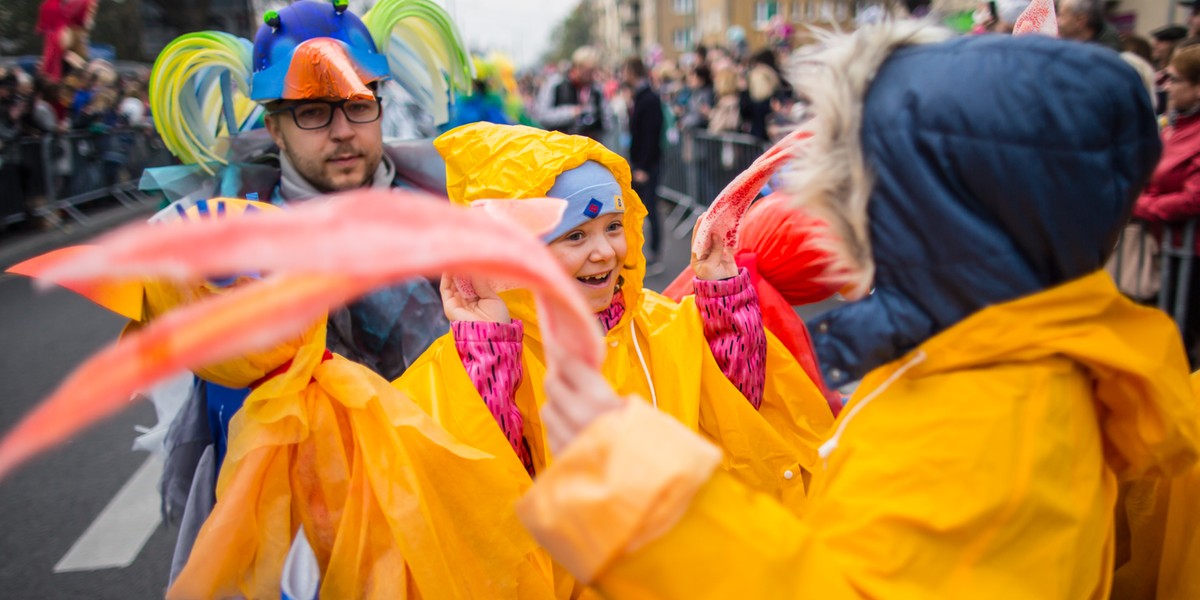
pixel 725 82
pixel 1144 70
pixel 586 57
pixel 104 99
pixel 762 82
pixel 829 176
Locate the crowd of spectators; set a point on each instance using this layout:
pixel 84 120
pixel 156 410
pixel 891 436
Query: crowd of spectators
pixel 716 90
pixel 730 90
pixel 47 128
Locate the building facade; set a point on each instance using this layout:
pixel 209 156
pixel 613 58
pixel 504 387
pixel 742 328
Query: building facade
pixel 677 26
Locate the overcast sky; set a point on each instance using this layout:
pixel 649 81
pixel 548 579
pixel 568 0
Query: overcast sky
pixel 519 28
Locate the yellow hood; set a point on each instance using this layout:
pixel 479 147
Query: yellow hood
pixel 486 161
pixel 1133 353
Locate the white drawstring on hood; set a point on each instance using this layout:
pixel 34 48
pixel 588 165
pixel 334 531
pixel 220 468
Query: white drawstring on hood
pixel 831 444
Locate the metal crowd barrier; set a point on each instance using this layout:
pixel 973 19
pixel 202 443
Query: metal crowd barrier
pixel 1178 254
pixel 1154 265
pixel 76 168
pixel 697 168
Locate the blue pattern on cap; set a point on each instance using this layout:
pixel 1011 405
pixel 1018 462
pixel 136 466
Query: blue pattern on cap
pixel 590 190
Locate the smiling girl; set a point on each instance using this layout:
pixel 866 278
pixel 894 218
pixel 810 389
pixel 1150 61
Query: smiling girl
pixel 706 361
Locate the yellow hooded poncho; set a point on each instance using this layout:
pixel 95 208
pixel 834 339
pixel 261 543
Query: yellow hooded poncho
pixel 771 450
pixel 983 464
pixel 326 443
pixel 1158 535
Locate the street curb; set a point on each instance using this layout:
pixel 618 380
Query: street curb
pixel 17 250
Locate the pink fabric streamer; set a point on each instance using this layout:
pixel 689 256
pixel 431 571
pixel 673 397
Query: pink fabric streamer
pixel 538 216
pixel 724 217
pixel 1038 17
pixel 322 255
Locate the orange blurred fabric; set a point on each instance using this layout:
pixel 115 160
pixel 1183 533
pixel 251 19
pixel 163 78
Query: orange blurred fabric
pixel 378 486
pixel 122 297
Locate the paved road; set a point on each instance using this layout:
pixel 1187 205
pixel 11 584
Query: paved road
pixel 49 504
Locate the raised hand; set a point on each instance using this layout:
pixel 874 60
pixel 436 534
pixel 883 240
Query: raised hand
pixel 715 261
pixel 484 305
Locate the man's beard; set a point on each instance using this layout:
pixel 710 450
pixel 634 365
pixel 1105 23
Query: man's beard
pixel 317 172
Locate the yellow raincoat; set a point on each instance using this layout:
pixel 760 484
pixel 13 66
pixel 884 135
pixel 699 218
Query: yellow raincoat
pixel 375 482
pixel 377 485
pixel 983 464
pixel 772 450
pixel 1158 535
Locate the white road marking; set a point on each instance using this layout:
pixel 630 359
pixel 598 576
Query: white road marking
pixel 118 534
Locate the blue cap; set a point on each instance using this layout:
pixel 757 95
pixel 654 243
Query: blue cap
pixel 590 191
pixel 274 44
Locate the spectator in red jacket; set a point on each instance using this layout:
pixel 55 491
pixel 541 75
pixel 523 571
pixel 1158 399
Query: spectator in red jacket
pixel 1173 194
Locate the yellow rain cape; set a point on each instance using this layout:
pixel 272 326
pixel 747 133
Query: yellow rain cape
pixel 983 464
pixel 772 450
pixel 1158 535
pixel 378 486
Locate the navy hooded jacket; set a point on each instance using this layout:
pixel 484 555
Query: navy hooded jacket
pixel 1003 166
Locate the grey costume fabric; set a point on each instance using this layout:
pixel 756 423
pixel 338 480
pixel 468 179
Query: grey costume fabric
pixel 199 504
pixel 186 441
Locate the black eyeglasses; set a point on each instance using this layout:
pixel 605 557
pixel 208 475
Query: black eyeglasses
pixel 318 115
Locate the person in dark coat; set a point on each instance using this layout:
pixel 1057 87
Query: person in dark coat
pixel 1084 21
pixel 1165 40
pixel 645 148
pixel 573 104
pixel 1173 194
pixel 764 86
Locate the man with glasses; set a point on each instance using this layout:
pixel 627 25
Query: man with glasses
pixel 329 145
pixel 318 74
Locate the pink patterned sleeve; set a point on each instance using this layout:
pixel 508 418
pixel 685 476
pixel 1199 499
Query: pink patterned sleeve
pixel 491 355
pixel 733 326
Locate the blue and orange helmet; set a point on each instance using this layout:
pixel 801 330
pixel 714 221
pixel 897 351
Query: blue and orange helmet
pixel 314 49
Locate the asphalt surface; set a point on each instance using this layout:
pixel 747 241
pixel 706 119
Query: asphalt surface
pixel 49 504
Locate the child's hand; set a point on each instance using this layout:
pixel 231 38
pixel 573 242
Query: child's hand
pixel 717 262
pixel 485 306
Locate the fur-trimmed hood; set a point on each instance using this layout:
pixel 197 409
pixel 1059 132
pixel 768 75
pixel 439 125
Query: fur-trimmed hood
pixel 962 173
